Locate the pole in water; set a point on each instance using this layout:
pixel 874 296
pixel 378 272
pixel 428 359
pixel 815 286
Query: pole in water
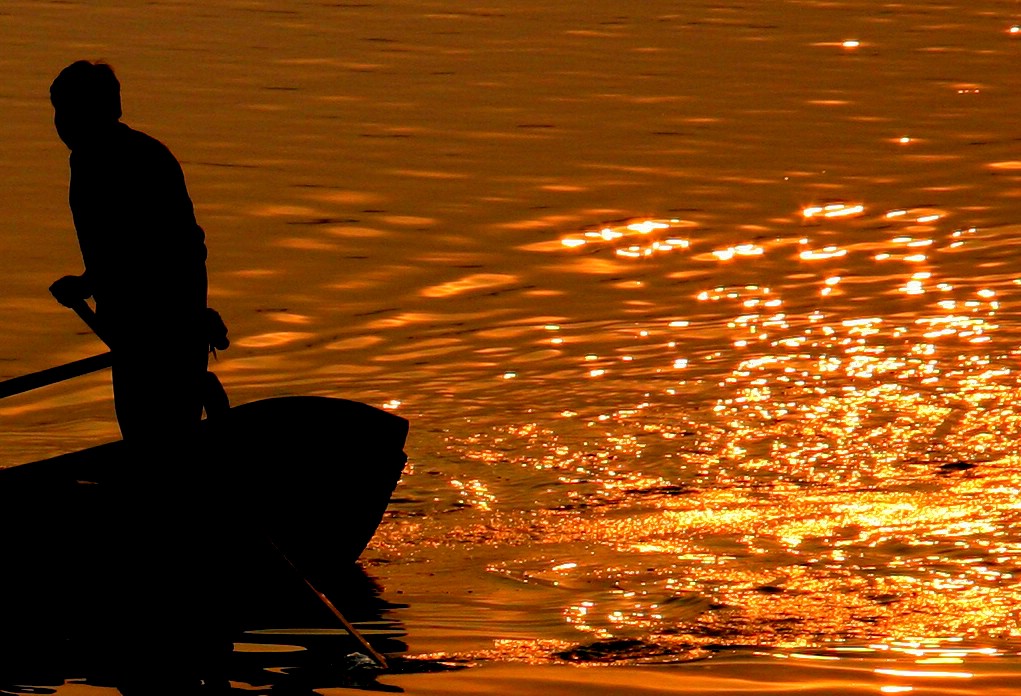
pixel 373 653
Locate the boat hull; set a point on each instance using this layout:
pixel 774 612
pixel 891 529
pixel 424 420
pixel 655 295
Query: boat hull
pixel 91 538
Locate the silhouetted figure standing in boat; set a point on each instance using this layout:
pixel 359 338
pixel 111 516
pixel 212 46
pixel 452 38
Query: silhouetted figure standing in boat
pixel 144 256
pixel 145 268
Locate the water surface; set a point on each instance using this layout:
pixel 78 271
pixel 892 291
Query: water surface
pixel 704 314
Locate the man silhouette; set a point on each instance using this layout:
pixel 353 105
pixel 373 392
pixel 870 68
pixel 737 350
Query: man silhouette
pixel 144 256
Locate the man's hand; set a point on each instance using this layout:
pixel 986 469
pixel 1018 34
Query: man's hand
pixel 70 290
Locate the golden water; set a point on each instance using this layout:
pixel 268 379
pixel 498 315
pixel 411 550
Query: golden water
pixel 705 315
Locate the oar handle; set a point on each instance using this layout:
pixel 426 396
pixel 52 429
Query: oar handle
pixel 52 375
pixel 88 315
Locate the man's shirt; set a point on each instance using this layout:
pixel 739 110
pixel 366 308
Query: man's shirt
pixel 143 250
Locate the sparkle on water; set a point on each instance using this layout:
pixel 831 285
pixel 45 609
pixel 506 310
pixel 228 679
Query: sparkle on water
pixel 851 490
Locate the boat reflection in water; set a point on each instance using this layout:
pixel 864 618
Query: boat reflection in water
pixel 144 579
pixel 162 642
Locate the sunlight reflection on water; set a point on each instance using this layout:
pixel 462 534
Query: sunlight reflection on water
pixel 852 480
pixel 695 360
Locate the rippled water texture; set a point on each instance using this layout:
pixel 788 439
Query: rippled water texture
pixel 705 314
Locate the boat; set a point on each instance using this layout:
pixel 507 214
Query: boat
pixel 108 541
pixel 314 473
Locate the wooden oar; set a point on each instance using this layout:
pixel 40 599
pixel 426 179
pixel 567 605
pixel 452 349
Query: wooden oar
pixel 373 653
pixel 52 375
pixel 88 315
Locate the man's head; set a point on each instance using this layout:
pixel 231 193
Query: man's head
pixel 86 100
